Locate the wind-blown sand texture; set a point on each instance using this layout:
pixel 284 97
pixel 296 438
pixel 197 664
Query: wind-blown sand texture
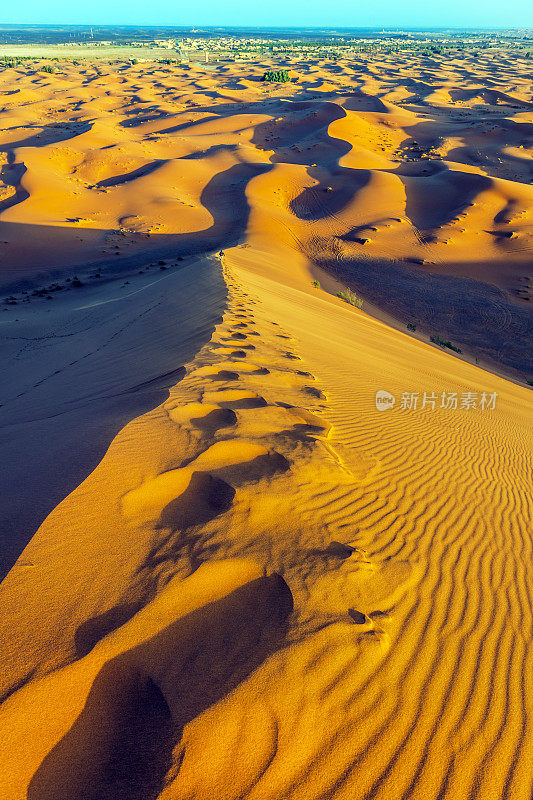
pixel 267 588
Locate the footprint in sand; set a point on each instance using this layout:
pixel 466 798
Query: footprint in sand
pixel 229 352
pixel 205 498
pixel 312 422
pixel 161 670
pixel 247 368
pixel 252 369
pixel 235 399
pixel 189 496
pixel 292 424
pixel 312 391
pixel 204 488
pixel 340 550
pixel 359 617
pixel 224 375
pixel 208 418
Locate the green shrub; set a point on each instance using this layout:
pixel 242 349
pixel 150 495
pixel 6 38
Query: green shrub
pixel 316 284
pixel 350 297
pixel 48 68
pixel 445 343
pixel 411 326
pixel 7 62
pixel 281 76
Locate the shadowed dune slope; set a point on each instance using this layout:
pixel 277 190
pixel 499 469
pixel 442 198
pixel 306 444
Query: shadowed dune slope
pixel 75 376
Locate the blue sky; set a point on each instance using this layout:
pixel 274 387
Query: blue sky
pixel 300 13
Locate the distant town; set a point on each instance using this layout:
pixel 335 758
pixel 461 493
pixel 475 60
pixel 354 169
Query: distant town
pixel 214 46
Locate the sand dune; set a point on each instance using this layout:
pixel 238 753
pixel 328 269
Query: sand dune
pixel 267 587
pixel 74 377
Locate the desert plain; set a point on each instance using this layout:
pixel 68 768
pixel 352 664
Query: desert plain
pixel 227 572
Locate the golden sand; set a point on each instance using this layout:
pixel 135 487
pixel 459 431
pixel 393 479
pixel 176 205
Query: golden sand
pixel 268 588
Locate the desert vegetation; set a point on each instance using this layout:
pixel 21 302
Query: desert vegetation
pixel 351 297
pixel 445 343
pixel 279 76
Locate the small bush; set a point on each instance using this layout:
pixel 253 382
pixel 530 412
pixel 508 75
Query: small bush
pixel 281 76
pixel 350 297
pixel 48 68
pixel 445 343
pixel 411 326
pixel 316 284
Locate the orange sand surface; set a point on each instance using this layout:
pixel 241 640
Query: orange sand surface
pixel 267 588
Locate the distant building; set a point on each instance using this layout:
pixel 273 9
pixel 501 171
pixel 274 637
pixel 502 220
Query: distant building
pixel 168 44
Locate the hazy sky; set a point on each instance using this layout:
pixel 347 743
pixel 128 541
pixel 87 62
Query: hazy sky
pixel 301 13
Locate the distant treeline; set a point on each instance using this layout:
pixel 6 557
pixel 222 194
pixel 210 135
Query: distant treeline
pixel 12 61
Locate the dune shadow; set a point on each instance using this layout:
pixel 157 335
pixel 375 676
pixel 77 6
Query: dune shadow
pixel 435 199
pixel 86 408
pixel 147 115
pixel 494 159
pixel 331 195
pixel 11 174
pixel 53 133
pixel 211 151
pixel 301 132
pixel 121 745
pixel 236 85
pixel 117 180
pixel 360 101
pixel 470 310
